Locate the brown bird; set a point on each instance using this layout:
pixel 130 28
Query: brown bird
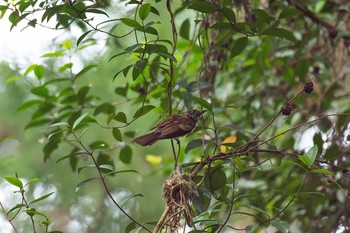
pixel 174 126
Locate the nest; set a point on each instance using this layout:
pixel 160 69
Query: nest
pixel 178 191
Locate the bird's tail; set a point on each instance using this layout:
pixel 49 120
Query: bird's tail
pixel 148 139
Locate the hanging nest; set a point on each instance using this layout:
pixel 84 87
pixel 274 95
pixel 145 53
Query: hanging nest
pixel 178 191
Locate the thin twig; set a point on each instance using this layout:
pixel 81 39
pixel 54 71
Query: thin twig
pixel 8 217
pixel 102 178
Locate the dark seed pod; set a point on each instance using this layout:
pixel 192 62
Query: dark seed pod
pixel 142 90
pixel 316 70
pixel 287 109
pixel 308 87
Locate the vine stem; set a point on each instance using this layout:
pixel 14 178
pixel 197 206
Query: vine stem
pixel 171 73
pixel 102 178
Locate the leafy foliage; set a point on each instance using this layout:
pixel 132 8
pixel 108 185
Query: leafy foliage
pixel 267 74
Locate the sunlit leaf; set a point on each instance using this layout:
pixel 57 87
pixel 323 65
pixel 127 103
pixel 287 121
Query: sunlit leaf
pixel 14 181
pixel 231 139
pixel 77 121
pixel 153 159
pixel 65 66
pixel 54 54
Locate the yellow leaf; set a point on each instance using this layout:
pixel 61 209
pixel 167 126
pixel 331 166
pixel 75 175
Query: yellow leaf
pixel 153 159
pixel 230 139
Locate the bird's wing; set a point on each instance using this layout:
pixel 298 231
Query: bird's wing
pixel 185 123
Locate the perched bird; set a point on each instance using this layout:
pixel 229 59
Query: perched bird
pixel 174 126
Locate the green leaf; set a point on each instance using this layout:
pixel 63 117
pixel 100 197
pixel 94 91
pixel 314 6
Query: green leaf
pixel 106 108
pixel 305 160
pixel 203 6
pixel 130 227
pixel 82 37
pixel 28 104
pixel 203 103
pixel 37 123
pixel 117 134
pixel 122 171
pixel 263 16
pixel 252 228
pixel 32 23
pixel 133 196
pixel 281 226
pixel 143 110
pixel 15 208
pixel 59 124
pixel 96 11
pixel 125 154
pixel 41 198
pixel 312 153
pixel 155 11
pixel 84 70
pixel 77 121
pixel 224 37
pixel 216 179
pixel 238 46
pixel 99 144
pixel 32 181
pixel 193 144
pixel 14 181
pixel 29 69
pixel 231 16
pixel 121 117
pixel 67 44
pixel 139 66
pixel 84 182
pixel 41 91
pixel 54 54
pixel 5 139
pixel 280 32
pixel 322 171
pixel 73 153
pixel 39 71
pixel 144 11
pixel 185 29
pixel 65 66
pixel 131 23
pixel 87 166
pixel 289 12
pixel 106 166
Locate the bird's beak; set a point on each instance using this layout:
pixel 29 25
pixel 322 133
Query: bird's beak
pixel 203 111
